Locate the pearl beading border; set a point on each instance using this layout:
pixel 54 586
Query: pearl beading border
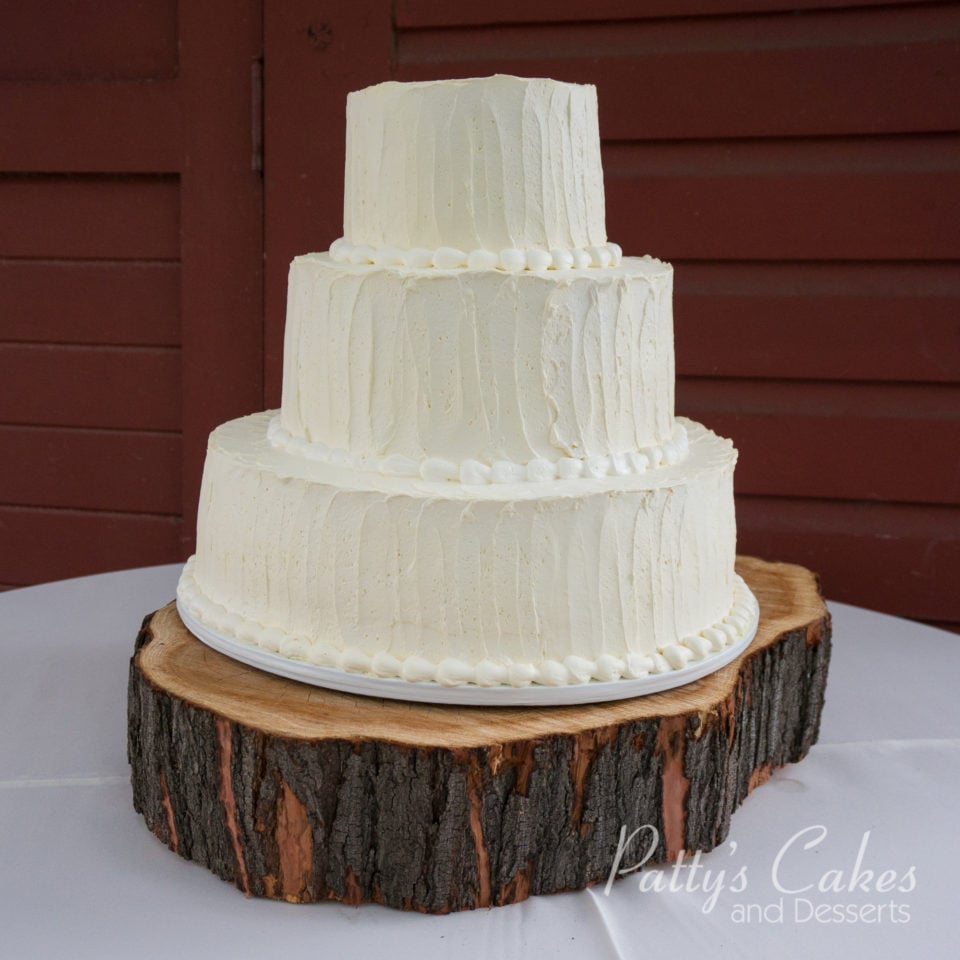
pixel 450 672
pixel 475 472
pixel 511 260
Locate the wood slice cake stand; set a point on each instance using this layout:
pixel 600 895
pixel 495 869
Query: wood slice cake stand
pixel 296 792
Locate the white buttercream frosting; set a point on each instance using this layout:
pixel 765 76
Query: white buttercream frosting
pixel 493 164
pixel 500 471
pixel 486 673
pixel 394 362
pixel 449 258
pixel 517 582
pixel 476 475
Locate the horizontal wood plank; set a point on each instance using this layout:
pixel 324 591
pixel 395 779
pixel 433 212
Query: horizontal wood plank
pixel 90 469
pixel 80 39
pixel 90 217
pixel 854 71
pixel 835 440
pixel 91 302
pixel 867 199
pixel 441 13
pixel 72 127
pixel 896 558
pixel 840 321
pixel 77 386
pixel 38 544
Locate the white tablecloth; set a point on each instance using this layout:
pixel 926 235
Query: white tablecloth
pixel 80 876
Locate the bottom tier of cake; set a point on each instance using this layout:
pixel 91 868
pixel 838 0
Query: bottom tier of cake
pixel 550 582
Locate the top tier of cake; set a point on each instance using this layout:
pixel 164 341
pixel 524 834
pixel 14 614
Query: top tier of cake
pixel 492 164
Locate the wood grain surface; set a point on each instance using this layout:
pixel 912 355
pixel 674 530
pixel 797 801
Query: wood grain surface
pixel 295 792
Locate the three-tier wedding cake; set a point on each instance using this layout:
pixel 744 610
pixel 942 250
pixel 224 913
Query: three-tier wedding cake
pixel 476 474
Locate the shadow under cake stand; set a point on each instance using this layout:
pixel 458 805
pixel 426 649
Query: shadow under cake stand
pixel 301 793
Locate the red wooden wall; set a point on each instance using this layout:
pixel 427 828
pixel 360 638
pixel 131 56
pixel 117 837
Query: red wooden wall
pixel 800 168
pixel 130 272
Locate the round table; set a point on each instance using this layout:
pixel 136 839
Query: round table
pixel 849 852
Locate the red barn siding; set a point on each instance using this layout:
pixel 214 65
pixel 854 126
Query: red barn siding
pixel 801 169
pixel 883 441
pixel 130 254
pixel 897 557
pixel 782 74
pixel 857 321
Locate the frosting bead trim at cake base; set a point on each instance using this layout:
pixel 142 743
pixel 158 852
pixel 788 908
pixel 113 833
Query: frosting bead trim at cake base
pixel 576 680
pixel 450 258
pixel 475 472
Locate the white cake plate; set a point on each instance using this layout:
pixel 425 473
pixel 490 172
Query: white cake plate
pixel 467 694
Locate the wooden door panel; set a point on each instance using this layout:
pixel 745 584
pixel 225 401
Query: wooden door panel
pixel 80 386
pixel 45 544
pixel 85 39
pixel 91 302
pixel 130 272
pixel 72 127
pixel 114 470
pixel 92 217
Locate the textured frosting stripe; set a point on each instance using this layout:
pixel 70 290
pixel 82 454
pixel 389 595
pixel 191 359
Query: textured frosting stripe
pixel 451 671
pixel 449 258
pixel 486 366
pixel 500 471
pixel 492 163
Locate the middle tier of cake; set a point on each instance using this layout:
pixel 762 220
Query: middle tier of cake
pixel 553 582
pixel 400 364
